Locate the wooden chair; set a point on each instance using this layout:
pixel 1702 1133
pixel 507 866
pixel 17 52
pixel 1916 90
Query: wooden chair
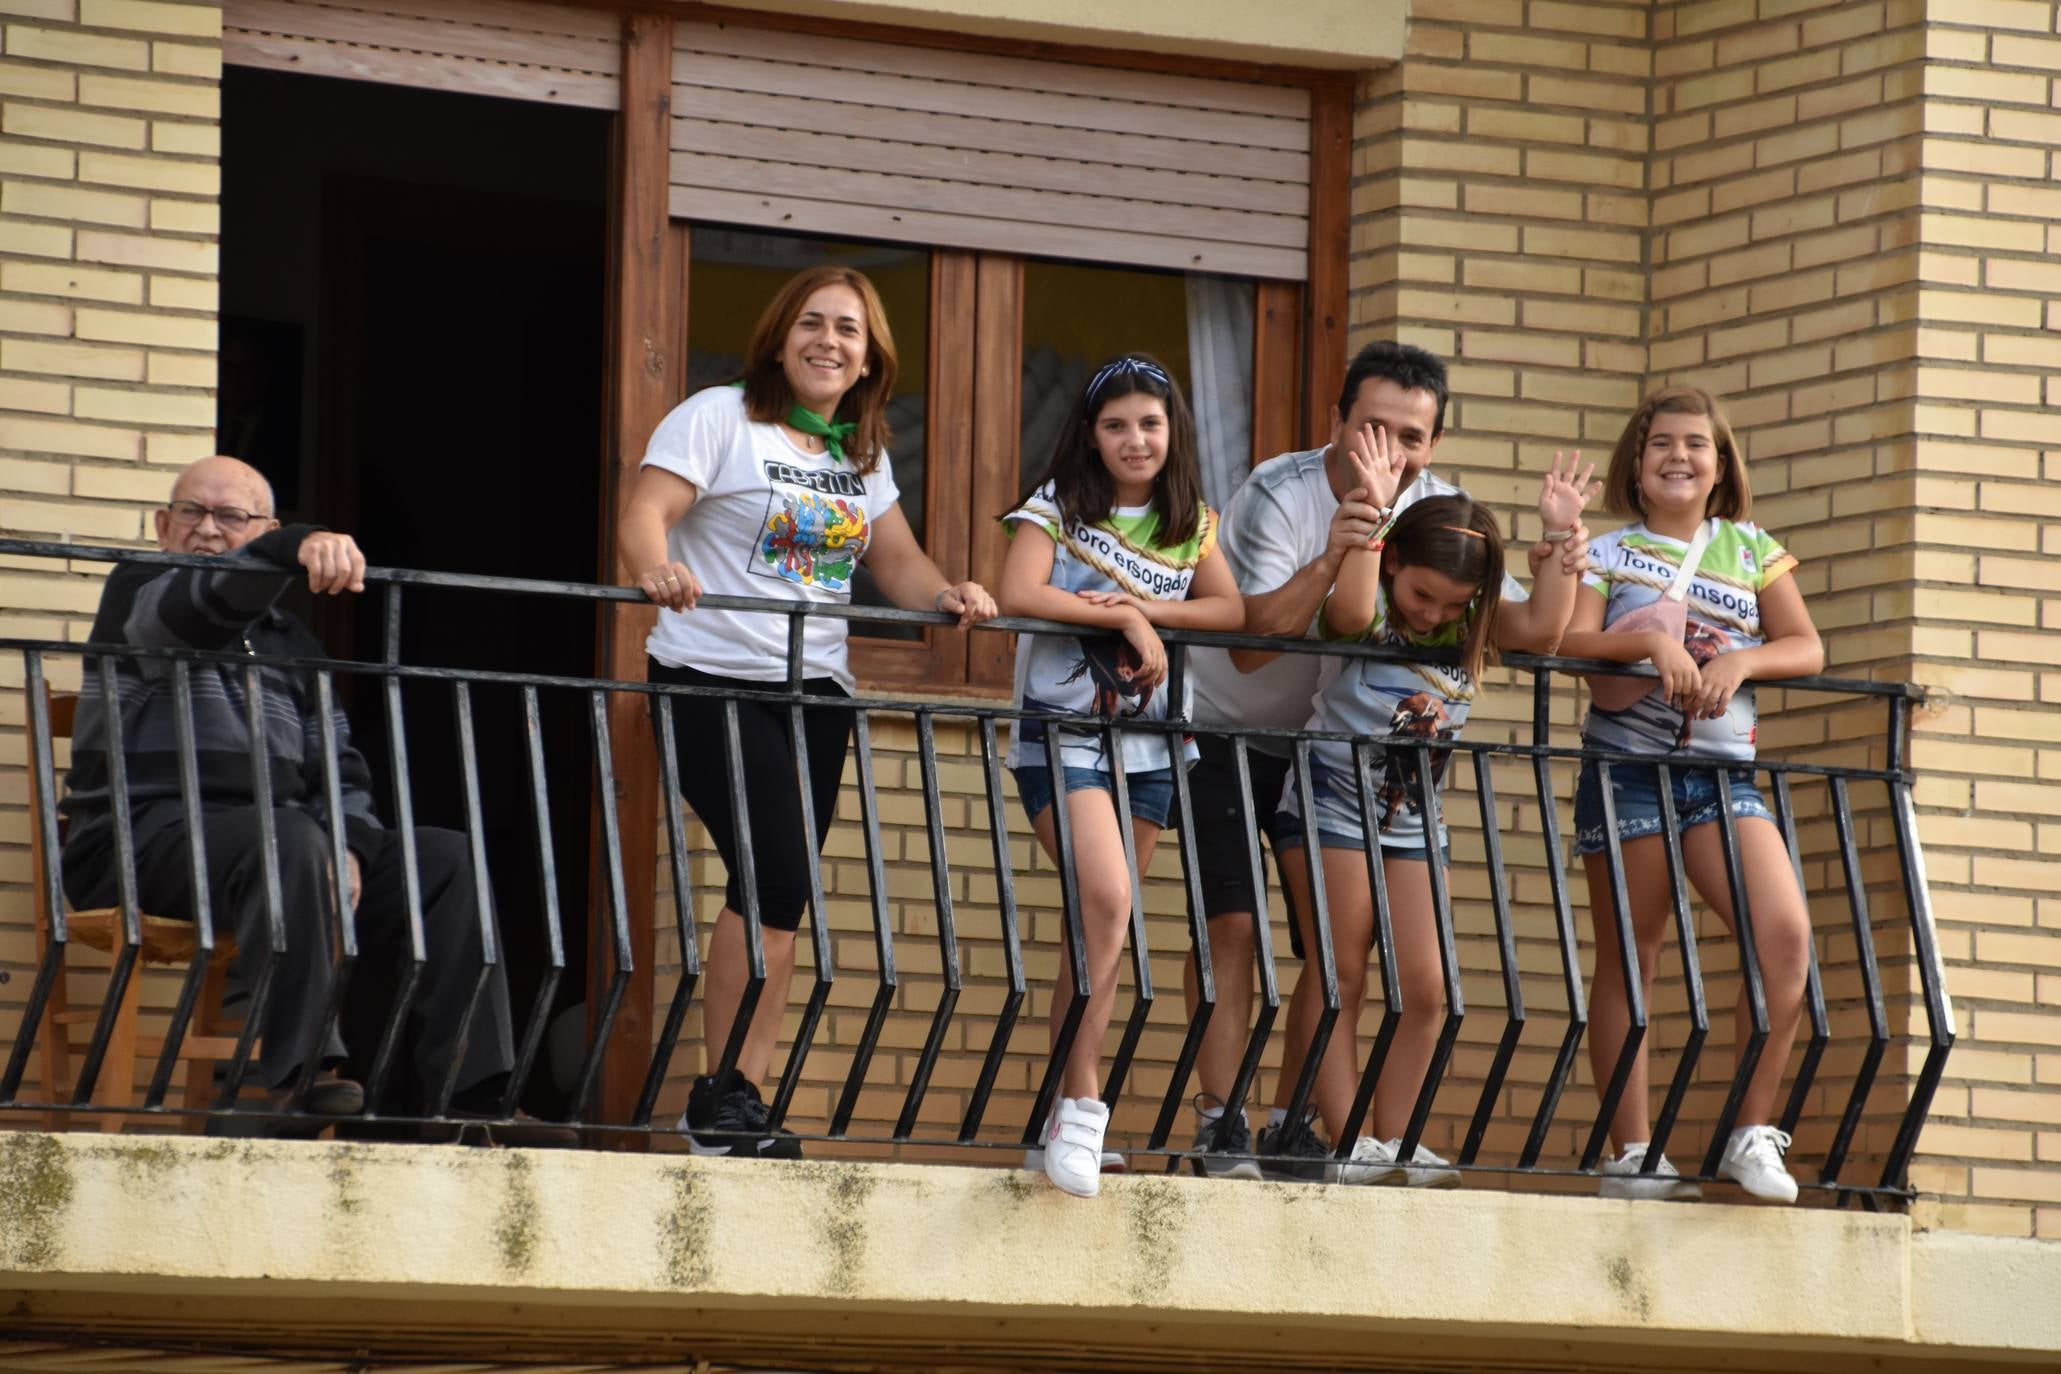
pixel 210 1038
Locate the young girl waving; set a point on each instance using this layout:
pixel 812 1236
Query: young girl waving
pixel 1114 537
pixel 1679 470
pixel 1432 580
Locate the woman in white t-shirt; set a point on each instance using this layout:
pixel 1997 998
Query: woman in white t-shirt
pixel 776 488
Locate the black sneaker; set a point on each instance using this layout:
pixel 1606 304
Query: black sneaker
pixel 1214 1153
pixel 1293 1152
pixel 733 1123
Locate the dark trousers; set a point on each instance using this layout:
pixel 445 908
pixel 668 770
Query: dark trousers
pixel 291 1024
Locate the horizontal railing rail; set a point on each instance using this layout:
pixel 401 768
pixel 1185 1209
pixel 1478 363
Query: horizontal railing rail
pixel 984 720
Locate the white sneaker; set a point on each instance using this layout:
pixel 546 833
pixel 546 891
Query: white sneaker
pixel 1622 1179
pixel 1753 1160
pixel 1427 1169
pixel 1372 1161
pixel 1113 1161
pixel 1073 1145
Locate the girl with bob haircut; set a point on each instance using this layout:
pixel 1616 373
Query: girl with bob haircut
pixel 776 487
pixel 1679 472
pixel 1114 536
pixel 1432 579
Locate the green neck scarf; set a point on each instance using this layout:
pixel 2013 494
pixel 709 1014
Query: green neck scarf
pixel 833 433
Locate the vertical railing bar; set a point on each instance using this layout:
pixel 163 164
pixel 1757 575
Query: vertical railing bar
pixel 819 927
pixel 1939 1008
pixel 345 934
pixel 1141 956
pixel 268 855
pixel 1076 943
pixel 1628 961
pixel 947 934
pixel 197 868
pixel 1012 946
pixel 1262 942
pixel 1384 944
pixel 483 893
pixel 43 766
pixel 1205 970
pixel 411 871
pixel 1692 973
pixel 1749 970
pixel 1563 927
pixel 547 883
pixel 1814 990
pixel 1871 983
pixel 883 928
pixel 1506 950
pixel 618 900
pixel 1448 954
pixel 124 966
pixel 1320 929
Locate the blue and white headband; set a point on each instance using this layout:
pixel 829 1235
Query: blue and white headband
pixel 1122 367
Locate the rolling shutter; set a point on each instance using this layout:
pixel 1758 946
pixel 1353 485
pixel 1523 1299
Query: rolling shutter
pixel 510 48
pixel 782 130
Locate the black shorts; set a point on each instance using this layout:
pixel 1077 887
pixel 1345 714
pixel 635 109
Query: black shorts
pixel 772 791
pixel 1220 843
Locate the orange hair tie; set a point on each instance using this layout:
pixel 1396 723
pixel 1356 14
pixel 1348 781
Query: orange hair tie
pixel 1461 529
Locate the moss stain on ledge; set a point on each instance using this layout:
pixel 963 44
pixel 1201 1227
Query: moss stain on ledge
pixel 35 1191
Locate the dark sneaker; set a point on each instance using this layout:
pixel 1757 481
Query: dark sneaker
pixel 1214 1153
pixel 733 1123
pixel 1293 1152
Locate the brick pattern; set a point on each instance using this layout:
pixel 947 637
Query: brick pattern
pixel 1986 528
pixel 109 182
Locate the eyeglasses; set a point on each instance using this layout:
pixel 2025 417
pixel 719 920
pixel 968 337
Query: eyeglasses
pixel 229 519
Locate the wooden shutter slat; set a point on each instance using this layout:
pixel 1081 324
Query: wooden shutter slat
pixel 995 136
pixel 988 202
pixel 846 220
pixel 974 165
pixel 1244 97
pixel 969 98
pixel 513 48
pixel 427 71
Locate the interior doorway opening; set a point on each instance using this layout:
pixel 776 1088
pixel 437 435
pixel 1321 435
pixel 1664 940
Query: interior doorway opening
pixel 413 350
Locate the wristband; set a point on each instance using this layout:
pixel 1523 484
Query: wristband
pixel 937 603
pixel 1557 536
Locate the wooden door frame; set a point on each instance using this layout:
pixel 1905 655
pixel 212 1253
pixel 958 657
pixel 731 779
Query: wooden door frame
pixel 1299 355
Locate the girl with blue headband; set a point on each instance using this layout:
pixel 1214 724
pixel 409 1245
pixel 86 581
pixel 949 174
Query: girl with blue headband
pixel 1114 537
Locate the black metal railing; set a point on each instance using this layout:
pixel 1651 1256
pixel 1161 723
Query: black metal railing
pixel 983 719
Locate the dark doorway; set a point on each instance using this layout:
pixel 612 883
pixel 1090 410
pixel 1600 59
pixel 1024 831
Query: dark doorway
pixel 415 282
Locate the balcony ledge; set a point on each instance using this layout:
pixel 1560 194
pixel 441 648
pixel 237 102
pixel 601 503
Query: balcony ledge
pixel 402 1250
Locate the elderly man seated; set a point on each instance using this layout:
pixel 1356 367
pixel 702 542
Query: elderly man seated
pixel 220 506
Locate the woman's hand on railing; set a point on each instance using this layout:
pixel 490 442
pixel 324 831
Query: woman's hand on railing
pixel 671 586
pixel 970 602
pixel 1681 681
pixel 1151 649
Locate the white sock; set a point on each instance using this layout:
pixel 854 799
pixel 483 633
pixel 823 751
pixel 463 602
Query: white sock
pixel 1276 1115
pixel 1215 1113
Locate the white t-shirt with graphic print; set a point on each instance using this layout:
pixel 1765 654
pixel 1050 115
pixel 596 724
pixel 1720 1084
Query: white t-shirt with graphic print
pixel 1092 674
pixel 1633 567
pixel 769 520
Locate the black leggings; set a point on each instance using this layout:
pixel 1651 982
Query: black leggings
pixel 773 799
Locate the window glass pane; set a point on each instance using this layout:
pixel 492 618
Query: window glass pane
pixel 733 273
pixel 1075 316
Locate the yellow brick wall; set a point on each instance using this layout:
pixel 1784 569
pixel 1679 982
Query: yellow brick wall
pixel 1986 529
pixel 109 180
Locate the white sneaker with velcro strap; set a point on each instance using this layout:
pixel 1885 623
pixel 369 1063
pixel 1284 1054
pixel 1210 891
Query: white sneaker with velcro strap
pixel 1073 1145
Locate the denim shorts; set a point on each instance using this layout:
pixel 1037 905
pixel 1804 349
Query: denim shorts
pixel 1637 789
pixel 1288 835
pixel 1152 794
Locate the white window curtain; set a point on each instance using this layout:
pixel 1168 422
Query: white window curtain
pixel 1220 313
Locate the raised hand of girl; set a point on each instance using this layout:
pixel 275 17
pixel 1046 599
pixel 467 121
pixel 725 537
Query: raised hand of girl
pixel 1565 494
pixel 1377 465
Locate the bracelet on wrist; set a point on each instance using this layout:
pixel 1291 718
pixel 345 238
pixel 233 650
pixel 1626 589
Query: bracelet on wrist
pixel 1557 536
pixel 937 603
